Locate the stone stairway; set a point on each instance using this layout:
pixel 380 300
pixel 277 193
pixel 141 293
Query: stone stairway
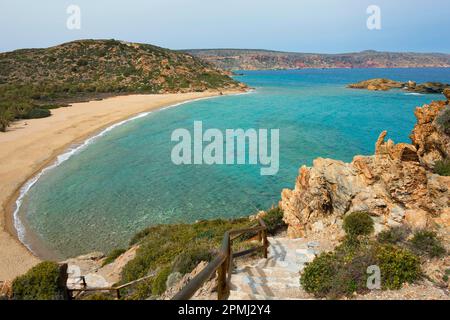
pixel 278 276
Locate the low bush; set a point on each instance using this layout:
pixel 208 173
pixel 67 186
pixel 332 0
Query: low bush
pixel 358 224
pixel 189 259
pixel 318 276
pixel 37 113
pixel 42 282
pixel 443 120
pixel 159 283
pixel 442 167
pixel 98 297
pixel 351 276
pixel 163 244
pixel 446 275
pixel 112 256
pixel 274 220
pixel 426 242
pixel 394 235
pixel 397 266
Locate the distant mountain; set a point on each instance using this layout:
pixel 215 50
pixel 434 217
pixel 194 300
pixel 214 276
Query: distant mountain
pixel 245 59
pixel 32 81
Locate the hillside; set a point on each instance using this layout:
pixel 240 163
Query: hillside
pixel 35 80
pixel 243 59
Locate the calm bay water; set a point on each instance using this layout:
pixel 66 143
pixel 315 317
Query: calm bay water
pixel 125 180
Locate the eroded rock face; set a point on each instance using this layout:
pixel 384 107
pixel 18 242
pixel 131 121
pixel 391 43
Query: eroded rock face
pixel 431 142
pixel 392 185
pixel 95 273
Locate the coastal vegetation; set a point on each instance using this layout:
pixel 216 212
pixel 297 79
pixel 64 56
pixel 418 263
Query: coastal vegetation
pixel 442 167
pixel 167 249
pixel 42 282
pixel 113 255
pixel 443 120
pixel 344 271
pixel 426 242
pixel 164 250
pixel 34 81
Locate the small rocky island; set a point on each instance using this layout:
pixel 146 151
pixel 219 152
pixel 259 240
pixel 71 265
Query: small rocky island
pixel 380 84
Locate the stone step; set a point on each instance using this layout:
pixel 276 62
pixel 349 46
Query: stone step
pixel 294 257
pixel 270 281
pixel 279 291
pixel 282 250
pixel 266 272
pixel 290 266
pixel 300 242
pixel 238 295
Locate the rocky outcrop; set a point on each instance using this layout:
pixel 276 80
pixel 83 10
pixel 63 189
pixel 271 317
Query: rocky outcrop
pixel 410 86
pixel 428 137
pixel 377 85
pixel 393 186
pixel 95 274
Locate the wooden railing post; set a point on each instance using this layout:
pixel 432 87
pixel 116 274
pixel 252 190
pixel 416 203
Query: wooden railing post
pixel 222 279
pixel 265 242
pixel 222 264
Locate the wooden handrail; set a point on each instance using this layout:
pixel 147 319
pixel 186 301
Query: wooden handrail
pixel 116 289
pixel 223 263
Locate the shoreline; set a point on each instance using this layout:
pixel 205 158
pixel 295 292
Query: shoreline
pixel 64 133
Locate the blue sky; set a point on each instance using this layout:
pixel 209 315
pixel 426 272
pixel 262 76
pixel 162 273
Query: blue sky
pixel 290 25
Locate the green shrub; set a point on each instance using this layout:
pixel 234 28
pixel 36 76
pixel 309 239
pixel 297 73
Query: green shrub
pixel 274 220
pixel 446 275
pixel 318 276
pixel 394 235
pixel 159 283
pixel 143 290
pixel 352 276
pixel 190 258
pixel 443 120
pixel 113 256
pixel 442 167
pixel 42 282
pixel 344 271
pixel 397 266
pixel 6 116
pixel 37 113
pixel 358 224
pixel 161 245
pixel 98 297
pixel 426 242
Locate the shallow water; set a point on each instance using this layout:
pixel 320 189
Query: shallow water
pixel 125 180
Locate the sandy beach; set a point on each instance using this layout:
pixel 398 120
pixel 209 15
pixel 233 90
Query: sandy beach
pixel 30 145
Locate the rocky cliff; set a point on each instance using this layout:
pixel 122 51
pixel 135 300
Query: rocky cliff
pixel 395 185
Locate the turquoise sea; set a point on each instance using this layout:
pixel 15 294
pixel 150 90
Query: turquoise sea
pixel 125 180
